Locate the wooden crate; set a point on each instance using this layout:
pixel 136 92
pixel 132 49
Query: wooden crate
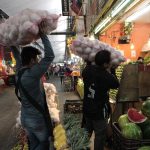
pixel 73 106
pixel 129 87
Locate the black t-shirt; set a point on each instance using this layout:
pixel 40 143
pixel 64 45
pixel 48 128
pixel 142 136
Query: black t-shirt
pixel 97 83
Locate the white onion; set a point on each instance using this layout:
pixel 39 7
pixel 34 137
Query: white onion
pixel 76 43
pixel 84 45
pixel 92 56
pixel 27 27
pixel 85 56
pixel 35 18
pixel 115 62
pixel 79 50
pixel 87 50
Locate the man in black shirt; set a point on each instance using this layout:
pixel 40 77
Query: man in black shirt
pixel 98 80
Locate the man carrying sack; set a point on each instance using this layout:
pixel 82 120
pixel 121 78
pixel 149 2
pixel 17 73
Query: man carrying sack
pixel 35 117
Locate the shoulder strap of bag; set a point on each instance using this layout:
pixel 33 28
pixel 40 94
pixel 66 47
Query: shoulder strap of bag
pixel 45 112
pixel 20 73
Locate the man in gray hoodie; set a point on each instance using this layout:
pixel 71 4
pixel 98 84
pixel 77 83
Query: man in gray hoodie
pixel 32 120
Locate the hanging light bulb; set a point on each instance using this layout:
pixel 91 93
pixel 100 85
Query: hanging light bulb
pixel 132 46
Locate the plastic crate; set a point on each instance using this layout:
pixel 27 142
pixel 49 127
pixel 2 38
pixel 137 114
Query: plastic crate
pixel 121 143
pixel 73 106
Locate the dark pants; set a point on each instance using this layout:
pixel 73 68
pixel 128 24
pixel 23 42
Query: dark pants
pixel 61 79
pixel 99 128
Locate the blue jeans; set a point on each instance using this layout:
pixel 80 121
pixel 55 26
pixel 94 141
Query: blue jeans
pixel 37 133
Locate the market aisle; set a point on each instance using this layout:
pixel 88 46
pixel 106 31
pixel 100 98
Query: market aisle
pixel 8 112
pixel 62 96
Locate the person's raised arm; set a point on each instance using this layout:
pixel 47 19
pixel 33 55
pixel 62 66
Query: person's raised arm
pixel 39 69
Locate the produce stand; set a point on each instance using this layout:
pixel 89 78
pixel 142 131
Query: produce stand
pixel 121 143
pixel 75 75
pixel 67 83
pixel 77 136
pixel 134 85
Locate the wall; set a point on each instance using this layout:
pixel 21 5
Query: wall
pixel 139 37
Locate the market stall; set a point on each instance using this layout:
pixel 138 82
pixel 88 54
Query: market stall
pixel 130 35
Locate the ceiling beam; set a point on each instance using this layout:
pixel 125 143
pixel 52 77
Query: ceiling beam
pixel 63 33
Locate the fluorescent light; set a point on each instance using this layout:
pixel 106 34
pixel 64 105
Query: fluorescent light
pixel 138 14
pixel 119 7
pixel 102 24
pixel 116 10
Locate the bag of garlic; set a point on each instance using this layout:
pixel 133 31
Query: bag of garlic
pixel 23 28
pixel 87 49
pixel 50 91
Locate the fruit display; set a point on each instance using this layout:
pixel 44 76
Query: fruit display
pixel 23 28
pixel 146 132
pixel 123 120
pixel 146 108
pixel 136 116
pixel 68 84
pixel 132 131
pixel 113 92
pixel 144 148
pixel 134 125
pixel 147 60
pixel 87 49
pixel 144 124
pixel 80 88
pixel 60 139
pixel 22 140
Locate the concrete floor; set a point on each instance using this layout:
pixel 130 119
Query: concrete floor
pixel 8 112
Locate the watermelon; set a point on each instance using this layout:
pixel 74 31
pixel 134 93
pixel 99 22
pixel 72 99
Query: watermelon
pixel 146 108
pixel 123 119
pixel 132 131
pixel 146 132
pixel 135 116
pixel 144 148
pixel 144 124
